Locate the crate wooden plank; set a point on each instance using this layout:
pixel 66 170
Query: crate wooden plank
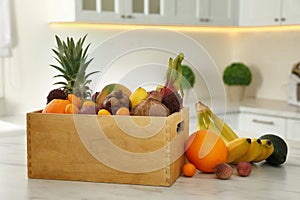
pixel 141 150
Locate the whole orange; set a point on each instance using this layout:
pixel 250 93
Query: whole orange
pixel 205 149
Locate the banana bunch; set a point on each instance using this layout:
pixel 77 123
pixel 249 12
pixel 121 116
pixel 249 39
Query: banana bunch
pixel 239 148
pixel 249 150
pixel 209 121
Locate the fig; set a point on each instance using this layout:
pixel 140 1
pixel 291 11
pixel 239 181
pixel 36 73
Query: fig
pixel 90 110
pixel 116 100
pixel 223 171
pixel 172 101
pixel 244 169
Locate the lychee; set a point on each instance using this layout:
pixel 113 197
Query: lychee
pixel 244 169
pixel 223 171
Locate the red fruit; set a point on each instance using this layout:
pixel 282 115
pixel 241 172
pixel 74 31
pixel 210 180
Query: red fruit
pixel 244 169
pixel 223 171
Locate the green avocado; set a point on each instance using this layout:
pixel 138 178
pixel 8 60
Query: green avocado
pixel 279 155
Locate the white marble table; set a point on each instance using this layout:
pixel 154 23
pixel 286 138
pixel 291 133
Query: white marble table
pixel 265 182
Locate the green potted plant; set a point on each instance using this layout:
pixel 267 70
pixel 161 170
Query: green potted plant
pixel 237 76
pixel 188 82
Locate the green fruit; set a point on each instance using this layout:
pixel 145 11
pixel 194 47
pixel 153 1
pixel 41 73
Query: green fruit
pixel 279 155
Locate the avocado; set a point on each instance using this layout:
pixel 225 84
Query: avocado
pixel 279 155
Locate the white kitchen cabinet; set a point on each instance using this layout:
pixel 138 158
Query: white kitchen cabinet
pixel 206 12
pixel 111 11
pixel 255 125
pixel 232 119
pixel 269 12
pixel 293 129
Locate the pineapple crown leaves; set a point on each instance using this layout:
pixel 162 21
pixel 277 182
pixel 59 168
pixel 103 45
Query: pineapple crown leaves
pixel 72 58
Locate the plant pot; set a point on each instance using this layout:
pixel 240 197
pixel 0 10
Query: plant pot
pixel 236 92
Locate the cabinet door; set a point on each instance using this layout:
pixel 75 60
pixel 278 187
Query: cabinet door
pixel 222 12
pixel 149 11
pixel 187 12
pixel 99 10
pixel 290 12
pixel 253 125
pixel 206 12
pixel 293 129
pixel 260 12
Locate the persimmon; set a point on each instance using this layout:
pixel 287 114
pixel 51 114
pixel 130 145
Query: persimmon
pixel 71 109
pixel 205 149
pixel 74 100
pixel 56 106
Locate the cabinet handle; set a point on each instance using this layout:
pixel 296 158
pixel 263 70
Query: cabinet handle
pixel 276 19
pixel 263 122
pixel 204 20
pixel 123 16
pixel 283 19
pixel 129 17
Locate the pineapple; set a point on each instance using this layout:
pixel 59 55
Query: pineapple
pixel 73 64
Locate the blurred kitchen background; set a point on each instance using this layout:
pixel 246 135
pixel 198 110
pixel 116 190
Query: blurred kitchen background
pixel 264 34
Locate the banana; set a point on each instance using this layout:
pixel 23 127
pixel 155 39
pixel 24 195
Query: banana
pixel 253 152
pixel 208 120
pixel 204 122
pixel 237 148
pixel 223 126
pixel 267 150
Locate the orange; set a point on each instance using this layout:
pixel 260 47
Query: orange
pixel 188 169
pixel 103 112
pixel 123 111
pixel 74 100
pixel 205 149
pixel 71 109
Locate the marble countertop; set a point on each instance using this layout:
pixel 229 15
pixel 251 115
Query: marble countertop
pixel 252 105
pixel 265 182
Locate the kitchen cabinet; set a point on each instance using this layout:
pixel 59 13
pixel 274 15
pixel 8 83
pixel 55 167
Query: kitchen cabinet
pixel 172 12
pixel 111 11
pixel 206 12
pixel 255 125
pixel 293 129
pixel 269 12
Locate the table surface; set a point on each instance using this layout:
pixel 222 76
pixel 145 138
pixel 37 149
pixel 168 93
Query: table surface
pixel 265 181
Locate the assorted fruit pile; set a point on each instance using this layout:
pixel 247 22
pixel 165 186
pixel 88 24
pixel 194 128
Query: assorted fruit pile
pixel 215 147
pixel 75 96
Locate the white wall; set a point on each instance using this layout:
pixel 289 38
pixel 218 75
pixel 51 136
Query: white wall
pixel 28 76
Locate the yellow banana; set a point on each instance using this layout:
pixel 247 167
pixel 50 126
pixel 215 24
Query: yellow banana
pixel 208 120
pixel 267 150
pixel 204 122
pixel 223 126
pixel 237 148
pixel 253 152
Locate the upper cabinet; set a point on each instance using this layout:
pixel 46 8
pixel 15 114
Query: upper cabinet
pixel 206 12
pixel 187 12
pixel 112 11
pixel 269 12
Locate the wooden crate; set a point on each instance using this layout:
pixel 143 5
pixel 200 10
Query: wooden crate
pixel 115 149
